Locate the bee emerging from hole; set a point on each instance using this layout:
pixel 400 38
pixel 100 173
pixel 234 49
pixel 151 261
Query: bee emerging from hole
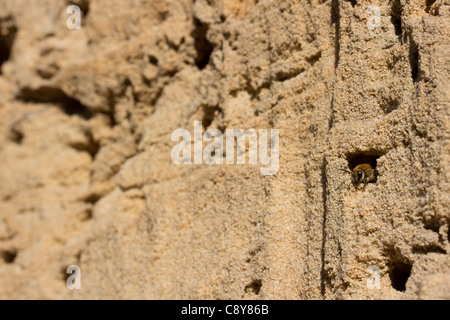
pixel 362 173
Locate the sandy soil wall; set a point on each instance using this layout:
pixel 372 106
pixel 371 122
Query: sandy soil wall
pixel 86 179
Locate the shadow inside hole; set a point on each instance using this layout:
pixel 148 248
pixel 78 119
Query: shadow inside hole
pixel 353 3
pixel 429 3
pixel 82 4
pixel 4 53
pixel 209 114
pixel 254 286
pixel 153 60
pixel 399 268
pixel 414 59
pixel 8 33
pixel 432 224
pixel 8 255
pixel 396 17
pixel 399 273
pixel 84 7
pixel 202 46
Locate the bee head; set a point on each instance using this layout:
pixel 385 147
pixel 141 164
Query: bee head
pixel 357 176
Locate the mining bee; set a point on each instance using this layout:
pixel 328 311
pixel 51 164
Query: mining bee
pixel 362 173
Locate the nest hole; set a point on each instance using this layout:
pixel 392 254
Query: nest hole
pixel 8 256
pixel 414 59
pixel 8 31
pixel 399 268
pixel 429 4
pixel 396 17
pixel 209 114
pixel 355 159
pixel 202 46
pixel 352 2
pixel 254 286
pixel 399 273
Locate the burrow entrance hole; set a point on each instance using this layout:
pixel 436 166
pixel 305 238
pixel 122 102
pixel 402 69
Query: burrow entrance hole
pixel 8 256
pixel 414 59
pixel 202 46
pixel 396 17
pixel 399 273
pixel 358 158
pixel 209 114
pixel 254 286
pixel 84 7
pixel 399 268
pixel 8 32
